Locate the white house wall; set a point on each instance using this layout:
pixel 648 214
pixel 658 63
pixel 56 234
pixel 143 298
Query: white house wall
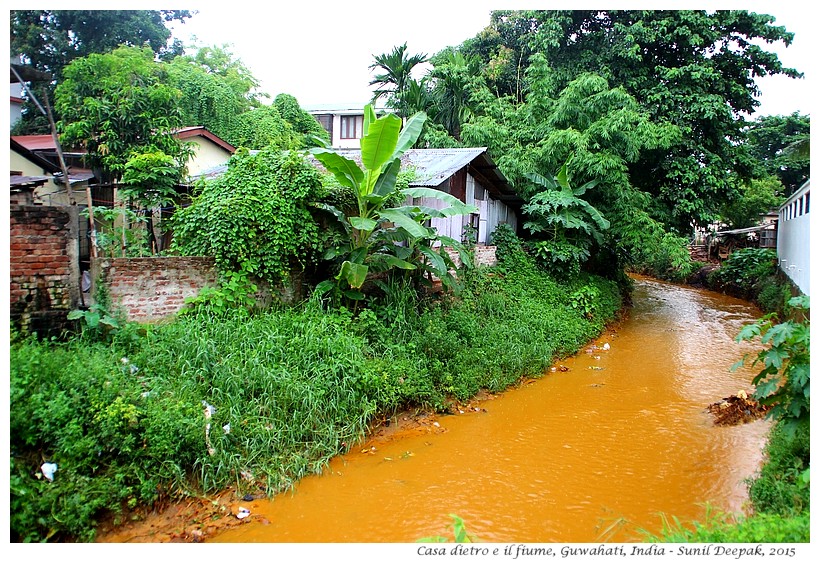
pixel 491 213
pixel 206 155
pixel 793 235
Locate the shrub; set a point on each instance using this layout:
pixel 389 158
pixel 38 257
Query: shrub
pixel 254 218
pixel 744 268
pixel 782 487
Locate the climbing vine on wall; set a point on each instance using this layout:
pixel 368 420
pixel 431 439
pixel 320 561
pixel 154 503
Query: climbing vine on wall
pixel 254 218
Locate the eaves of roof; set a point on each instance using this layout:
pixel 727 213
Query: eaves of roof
pixel 201 131
pixel 18 182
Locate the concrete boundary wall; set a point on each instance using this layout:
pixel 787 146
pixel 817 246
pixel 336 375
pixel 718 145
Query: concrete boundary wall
pixel 793 238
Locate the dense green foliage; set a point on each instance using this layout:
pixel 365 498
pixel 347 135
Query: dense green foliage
pixel 568 224
pixel 770 137
pixel 744 268
pixel 752 273
pixel 117 106
pixel 653 104
pixel 49 40
pixel 255 217
pixel 283 125
pixel 207 98
pixel 692 69
pixel 754 199
pixel 296 386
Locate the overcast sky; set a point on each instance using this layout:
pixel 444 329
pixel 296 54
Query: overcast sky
pixel 319 50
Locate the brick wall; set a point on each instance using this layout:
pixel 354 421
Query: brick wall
pixel 43 267
pixel 484 255
pixel 148 289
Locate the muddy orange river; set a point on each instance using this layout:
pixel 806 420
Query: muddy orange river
pixel 595 453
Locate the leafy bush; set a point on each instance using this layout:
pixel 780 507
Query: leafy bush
pixel 774 294
pixel 255 217
pixel 744 268
pixel 782 486
pixel 784 382
pixel 509 250
pixel 234 295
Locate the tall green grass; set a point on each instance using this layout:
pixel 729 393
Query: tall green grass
pixel 256 402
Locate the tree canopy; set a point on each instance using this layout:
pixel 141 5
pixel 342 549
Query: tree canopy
pixel 693 70
pixel 770 140
pixel 654 105
pixel 119 105
pixel 49 40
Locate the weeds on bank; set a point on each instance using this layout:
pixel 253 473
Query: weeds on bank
pixel 257 401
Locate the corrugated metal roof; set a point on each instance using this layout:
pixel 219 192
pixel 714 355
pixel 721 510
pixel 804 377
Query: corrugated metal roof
pixel 434 166
pixel 28 181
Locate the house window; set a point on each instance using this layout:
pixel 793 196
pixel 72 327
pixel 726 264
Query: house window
pixel 807 201
pixel 351 126
pixel 326 121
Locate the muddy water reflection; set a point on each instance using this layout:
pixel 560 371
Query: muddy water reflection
pixel 593 453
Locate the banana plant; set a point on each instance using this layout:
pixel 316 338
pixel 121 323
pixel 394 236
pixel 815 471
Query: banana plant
pixel 379 237
pixel 568 222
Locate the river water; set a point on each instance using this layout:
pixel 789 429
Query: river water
pixel 594 453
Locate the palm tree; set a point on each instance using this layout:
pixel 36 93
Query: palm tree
pixel 453 79
pixel 395 79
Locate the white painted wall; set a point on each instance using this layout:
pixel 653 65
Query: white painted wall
pixel 793 238
pixel 207 154
pixel 491 213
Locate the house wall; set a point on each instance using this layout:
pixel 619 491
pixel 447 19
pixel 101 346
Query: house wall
pixel 43 267
pixel 149 289
pixel 16 94
pixel 793 238
pixel 49 193
pixel 337 140
pixel 491 212
pixel 18 162
pixel 207 155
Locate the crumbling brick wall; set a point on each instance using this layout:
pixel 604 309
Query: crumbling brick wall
pixel 483 255
pixel 43 267
pixel 148 289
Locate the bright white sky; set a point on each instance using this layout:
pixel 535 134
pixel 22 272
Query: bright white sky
pixel 319 50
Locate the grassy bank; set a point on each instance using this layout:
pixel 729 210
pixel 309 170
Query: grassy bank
pixel 256 402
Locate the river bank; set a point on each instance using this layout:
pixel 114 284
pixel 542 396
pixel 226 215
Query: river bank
pixel 600 459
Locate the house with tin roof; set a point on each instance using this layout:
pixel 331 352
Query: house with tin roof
pixel 468 174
